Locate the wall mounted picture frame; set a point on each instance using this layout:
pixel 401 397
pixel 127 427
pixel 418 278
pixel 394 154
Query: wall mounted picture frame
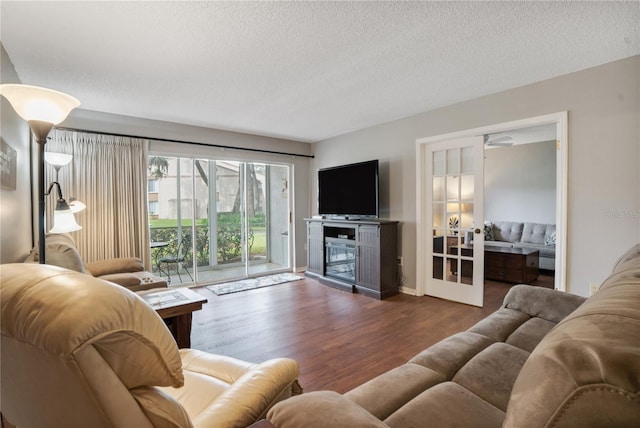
pixel 8 165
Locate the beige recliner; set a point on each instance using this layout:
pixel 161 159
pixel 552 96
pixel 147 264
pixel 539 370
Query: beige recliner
pixel 128 272
pixel 82 352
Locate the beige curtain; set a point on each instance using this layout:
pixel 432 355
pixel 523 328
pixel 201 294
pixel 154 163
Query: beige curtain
pixel 109 174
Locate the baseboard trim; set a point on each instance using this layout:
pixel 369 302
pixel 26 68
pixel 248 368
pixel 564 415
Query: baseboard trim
pixel 409 291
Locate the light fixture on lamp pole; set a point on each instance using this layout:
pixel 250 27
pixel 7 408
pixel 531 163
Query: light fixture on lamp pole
pixel 63 219
pixel 42 108
pixel 57 161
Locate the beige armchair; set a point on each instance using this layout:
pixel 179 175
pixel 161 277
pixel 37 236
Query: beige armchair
pixel 128 272
pixel 81 352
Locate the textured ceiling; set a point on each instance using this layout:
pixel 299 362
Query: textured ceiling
pixel 305 71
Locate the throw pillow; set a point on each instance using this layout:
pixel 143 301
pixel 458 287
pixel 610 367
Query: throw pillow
pixel 489 235
pixel 551 239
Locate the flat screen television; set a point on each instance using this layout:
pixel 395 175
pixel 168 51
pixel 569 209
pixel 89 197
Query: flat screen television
pixel 349 191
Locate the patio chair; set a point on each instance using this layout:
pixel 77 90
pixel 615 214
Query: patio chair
pixel 177 261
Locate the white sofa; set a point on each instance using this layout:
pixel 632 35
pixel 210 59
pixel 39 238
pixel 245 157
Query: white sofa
pixel 535 236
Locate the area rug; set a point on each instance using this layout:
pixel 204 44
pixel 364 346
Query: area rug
pixel 253 283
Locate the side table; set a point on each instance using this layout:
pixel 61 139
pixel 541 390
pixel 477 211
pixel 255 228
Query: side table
pixel 175 307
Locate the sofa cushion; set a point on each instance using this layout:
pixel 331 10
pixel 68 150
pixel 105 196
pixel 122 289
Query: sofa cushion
pixel 530 333
pixel 489 234
pixel 500 324
pixel 551 239
pixel 449 355
pixel 536 233
pixel 491 374
pixel 161 409
pixel 406 382
pixel 446 405
pixel 507 231
pixel 127 280
pixel 60 251
pixel 117 265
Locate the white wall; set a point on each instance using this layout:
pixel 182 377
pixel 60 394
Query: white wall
pixel 117 124
pixel 15 205
pixel 520 183
pixel 604 150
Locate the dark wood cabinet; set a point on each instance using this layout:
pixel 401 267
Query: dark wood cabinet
pixel 356 256
pixel 515 265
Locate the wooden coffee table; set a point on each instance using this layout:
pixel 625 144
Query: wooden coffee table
pixel 175 307
pixel 516 265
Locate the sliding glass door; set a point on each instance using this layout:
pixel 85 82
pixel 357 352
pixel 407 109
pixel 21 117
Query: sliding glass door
pixel 233 215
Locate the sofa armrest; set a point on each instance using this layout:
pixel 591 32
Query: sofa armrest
pixel 321 409
pixel 545 303
pixel 117 265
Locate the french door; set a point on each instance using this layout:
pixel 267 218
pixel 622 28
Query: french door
pixel 452 218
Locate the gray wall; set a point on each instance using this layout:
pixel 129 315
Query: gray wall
pixel 520 183
pixel 15 205
pixel 604 155
pixel 117 124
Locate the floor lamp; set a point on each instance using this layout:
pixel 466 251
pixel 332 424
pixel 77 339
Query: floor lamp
pixel 42 109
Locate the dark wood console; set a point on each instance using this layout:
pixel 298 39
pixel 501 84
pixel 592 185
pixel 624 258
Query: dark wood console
pixel 358 256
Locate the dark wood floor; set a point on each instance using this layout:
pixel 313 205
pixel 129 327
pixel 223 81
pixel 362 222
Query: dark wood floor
pixel 339 339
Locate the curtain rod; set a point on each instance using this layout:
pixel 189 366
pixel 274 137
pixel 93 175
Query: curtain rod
pixel 220 146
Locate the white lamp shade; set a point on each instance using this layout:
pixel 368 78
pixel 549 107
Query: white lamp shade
pixel 57 159
pixel 36 103
pixel 64 221
pixel 76 206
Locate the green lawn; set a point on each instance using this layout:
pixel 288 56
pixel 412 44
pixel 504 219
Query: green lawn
pixel 259 246
pixel 162 222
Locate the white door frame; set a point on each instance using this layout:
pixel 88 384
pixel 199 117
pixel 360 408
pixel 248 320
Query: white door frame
pixel 560 119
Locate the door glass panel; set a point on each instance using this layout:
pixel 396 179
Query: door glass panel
pixel 438 189
pixel 277 216
pixel 162 197
pixel 268 217
pixel 438 267
pixel 230 236
pixel 466 265
pixel 467 160
pixel 453 188
pixel 201 243
pixel 453 161
pixel 184 267
pixel 466 223
pixel 438 251
pixel 466 187
pixel 439 163
pixel 438 215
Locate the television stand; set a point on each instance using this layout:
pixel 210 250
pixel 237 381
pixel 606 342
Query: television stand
pixel 358 256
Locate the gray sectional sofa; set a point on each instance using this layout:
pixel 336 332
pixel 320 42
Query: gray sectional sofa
pixel 544 359
pixel 535 236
